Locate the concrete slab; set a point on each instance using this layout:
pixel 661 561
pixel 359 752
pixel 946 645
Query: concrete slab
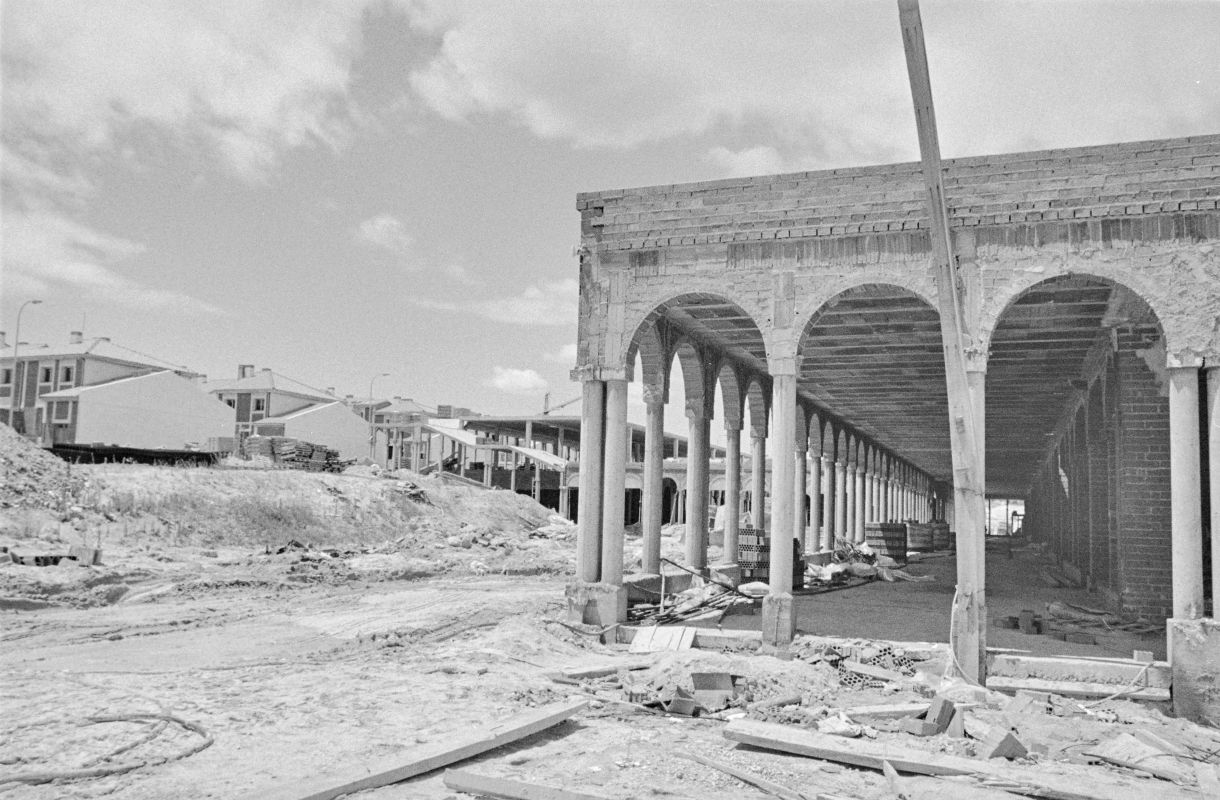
pixel 1195 659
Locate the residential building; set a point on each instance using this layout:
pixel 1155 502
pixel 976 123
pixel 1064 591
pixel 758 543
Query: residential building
pixel 156 410
pixel 255 395
pixel 46 368
pixel 332 424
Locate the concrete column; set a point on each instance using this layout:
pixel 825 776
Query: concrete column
pixel 696 491
pixel 828 503
pixel 653 490
pixel 816 538
pixel 614 479
pixel 589 501
pixel 778 623
pixel 732 491
pixel 840 527
pixel 565 496
pixel 860 502
pixel 870 497
pixel 1213 462
pixel 1186 521
pixel 800 489
pixel 758 476
pixel 849 502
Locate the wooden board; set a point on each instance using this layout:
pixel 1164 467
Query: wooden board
pixel 750 778
pixel 1077 689
pixel 429 757
pixel 857 752
pixel 655 638
pixel 1120 672
pixel 503 789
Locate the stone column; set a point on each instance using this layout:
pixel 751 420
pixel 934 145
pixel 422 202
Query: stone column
pixel 815 492
pixel 696 490
pixel 614 479
pixel 828 501
pixel 1213 461
pixel 732 489
pixel 840 509
pixel 653 490
pixel 779 620
pixel 1186 521
pixel 758 475
pixel 870 496
pixel 800 477
pixel 589 501
pixel 860 502
pixel 849 501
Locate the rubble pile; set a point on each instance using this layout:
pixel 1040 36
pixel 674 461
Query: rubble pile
pixel 31 477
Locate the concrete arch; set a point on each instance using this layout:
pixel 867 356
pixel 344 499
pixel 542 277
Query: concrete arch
pixel 732 393
pixel 1145 287
pixel 695 368
pixel 758 400
pixel 652 309
pixel 652 346
pixel 810 306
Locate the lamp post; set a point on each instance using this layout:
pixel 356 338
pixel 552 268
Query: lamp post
pixel 14 405
pixel 369 408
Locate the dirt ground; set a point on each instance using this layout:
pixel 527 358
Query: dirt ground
pixel 223 668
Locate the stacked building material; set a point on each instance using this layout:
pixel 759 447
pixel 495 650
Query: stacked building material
pixel 295 453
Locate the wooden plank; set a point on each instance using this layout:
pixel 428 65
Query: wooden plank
pixel 503 789
pixel 887 711
pixel 603 670
pixel 1125 750
pixel 965 406
pixel 1078 688
pixel 856 752
pixel 429 757
pixel 1120 672
pixel 750 778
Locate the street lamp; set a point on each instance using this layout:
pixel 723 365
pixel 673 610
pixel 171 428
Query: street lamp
pixel 372 429
pixel 16 366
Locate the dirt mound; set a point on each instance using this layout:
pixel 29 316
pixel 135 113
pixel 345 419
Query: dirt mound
pixel 31 477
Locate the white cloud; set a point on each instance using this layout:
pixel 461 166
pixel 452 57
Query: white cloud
pixel 762 160
pixel 517 381
pixel 250 79
pixel 549 304
pixel 47 252
pixel 386 232
pixel 433 305
pixel 565 355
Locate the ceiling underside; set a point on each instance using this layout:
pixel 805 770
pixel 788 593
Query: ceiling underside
pixel 872 358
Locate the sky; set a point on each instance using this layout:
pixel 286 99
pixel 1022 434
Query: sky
pixel 341 189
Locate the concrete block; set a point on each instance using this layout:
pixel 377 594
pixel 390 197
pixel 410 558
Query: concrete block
pixel 778 619
pixel 1194 652
pixel 727 573
pixel 595 603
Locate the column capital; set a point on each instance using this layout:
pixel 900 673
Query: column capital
pixel 1185 359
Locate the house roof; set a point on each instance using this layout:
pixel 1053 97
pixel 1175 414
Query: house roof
pixel 266 380
pixel 76 391
pixel 100 347
pixel 405 405
pixel 301 412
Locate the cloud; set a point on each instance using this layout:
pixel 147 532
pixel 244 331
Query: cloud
pixel 824 82
pixel 433 305
pixel 565 355
pixel 248 79
pixel 462 275
pixel 517 381
pixel 549 304
pixel 762 160
pixel 386 232
pixel 47 252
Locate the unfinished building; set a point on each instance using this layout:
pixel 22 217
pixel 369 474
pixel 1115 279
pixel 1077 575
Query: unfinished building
pixel 1091 286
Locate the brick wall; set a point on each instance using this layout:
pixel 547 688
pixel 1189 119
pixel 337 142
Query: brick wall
pixel 1144 559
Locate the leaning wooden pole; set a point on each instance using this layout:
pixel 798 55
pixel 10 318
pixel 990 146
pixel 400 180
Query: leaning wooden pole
pixel 968 627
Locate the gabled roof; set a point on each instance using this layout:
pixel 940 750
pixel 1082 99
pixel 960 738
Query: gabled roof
pixel 301 412
pixel 97 348
pixel 76 391
pixel 404 405
pixel 267 381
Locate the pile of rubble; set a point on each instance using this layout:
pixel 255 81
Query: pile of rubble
pixel 31 477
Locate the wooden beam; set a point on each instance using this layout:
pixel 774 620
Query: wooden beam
pixel 968 635
pixel 503 789
pixel 429 757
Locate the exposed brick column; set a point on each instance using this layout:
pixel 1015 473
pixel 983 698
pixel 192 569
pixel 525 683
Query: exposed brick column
pixel 614 475
pixel 589 501
pixel 696 490
pixel 653 493
pixel 1213 463
pixel 1187 517
pixel 732 489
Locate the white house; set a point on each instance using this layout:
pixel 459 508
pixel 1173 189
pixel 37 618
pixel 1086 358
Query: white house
pixel 159 410
pixel 332 424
